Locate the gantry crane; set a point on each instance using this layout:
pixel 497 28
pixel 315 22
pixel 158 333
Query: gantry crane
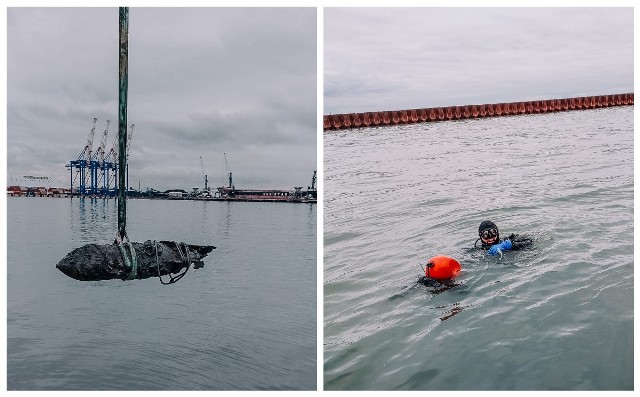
pixel 204 172
pixel 81 164
pixel 97 164
pixel 110 165
pixel 88 182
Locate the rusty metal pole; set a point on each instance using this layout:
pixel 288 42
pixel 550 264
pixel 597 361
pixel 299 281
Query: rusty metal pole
pixel 122 121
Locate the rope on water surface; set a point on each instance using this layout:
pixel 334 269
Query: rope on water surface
pixel 186 260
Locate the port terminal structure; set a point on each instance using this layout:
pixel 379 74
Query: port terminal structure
pixel 230 193
pixel 223 193
pixel 411 116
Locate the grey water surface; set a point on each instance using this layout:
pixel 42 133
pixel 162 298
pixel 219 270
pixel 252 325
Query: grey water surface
pixel 246 321
pixel 558 316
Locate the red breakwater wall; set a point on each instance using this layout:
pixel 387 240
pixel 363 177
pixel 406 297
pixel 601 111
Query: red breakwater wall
pixel 394 117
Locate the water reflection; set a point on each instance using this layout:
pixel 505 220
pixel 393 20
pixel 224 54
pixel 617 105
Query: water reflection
pixel 227 220
pixel 92 219
pixel 64 320
pixel 311 217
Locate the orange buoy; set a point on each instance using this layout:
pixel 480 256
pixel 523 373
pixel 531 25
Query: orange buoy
pixel 442 267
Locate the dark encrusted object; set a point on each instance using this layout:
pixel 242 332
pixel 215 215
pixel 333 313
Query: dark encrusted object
pixel 94 262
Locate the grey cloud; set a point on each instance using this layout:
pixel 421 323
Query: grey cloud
pixel 395 58
pixel 202 81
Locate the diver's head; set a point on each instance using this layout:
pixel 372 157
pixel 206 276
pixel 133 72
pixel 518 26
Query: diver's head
pixel 488 232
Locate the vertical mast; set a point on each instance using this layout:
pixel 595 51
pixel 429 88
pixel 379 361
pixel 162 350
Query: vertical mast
pixel 122 121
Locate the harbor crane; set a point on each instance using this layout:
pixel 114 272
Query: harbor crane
pixel 111 162
pixel 97 170
pixel 97 163
pixel 313 181
pixel 111 166
pixel 80 165
pixel 228 171
pixel 89 157
pixel 206 179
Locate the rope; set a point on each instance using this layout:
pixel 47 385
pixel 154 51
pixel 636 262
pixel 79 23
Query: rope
pixel 186 260
pixel 130 261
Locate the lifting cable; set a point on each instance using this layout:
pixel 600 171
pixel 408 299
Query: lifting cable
pixel 129 259
pixel 121 237
pixel 186 260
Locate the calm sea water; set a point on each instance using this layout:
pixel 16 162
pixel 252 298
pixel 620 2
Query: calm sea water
pixel 246 321
pixel 556 317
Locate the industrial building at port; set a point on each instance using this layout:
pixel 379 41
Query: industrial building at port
pixel 223 193
pixel 40 186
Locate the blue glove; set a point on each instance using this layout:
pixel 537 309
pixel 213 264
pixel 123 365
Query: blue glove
pixel 503 246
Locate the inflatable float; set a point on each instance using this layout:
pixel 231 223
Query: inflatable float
pixel 442 267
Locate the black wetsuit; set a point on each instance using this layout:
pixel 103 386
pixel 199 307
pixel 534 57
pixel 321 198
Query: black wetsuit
pixel 517 242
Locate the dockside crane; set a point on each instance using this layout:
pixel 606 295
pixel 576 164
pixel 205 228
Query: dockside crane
pixel 89 156
pixel 312 192
pixel 313 181
pixel 97 164
pixel 111 163
pixel 228 171
pixel 80 165
pixel 204 172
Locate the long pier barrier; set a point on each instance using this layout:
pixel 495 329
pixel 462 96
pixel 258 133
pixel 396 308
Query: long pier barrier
pixel 396 117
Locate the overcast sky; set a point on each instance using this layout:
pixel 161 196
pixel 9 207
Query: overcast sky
pixel 202 82
pixel 403 58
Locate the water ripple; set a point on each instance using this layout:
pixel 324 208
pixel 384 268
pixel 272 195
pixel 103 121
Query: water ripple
pixel 396 196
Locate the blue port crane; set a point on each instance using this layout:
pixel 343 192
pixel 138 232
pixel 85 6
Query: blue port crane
pixel 88 182
pixel 82 163
pixel 97 170
pixel 110 165
pixel 96 165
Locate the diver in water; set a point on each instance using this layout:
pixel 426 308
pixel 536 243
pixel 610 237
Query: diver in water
pixel 490 240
